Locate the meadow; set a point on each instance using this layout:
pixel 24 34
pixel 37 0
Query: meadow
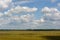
pixel 29 35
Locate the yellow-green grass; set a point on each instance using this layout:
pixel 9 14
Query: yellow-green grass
pixel 27 35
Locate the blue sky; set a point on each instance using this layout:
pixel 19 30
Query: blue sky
pixel 29 14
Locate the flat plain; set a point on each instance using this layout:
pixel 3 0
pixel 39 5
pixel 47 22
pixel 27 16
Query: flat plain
pixel 29 35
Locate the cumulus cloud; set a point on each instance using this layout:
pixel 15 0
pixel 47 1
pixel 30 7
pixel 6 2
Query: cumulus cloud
pixel 14 15
pixel 26 18
pixel 46 10
pixel 22 17
pixel 30 9
pixel 4 21
pixel 51 16
pixel 38 22
pixel 17 22
pixel 53 12
pixel 8 4
pixel 5 3
pixel 50 10
pixel 20 9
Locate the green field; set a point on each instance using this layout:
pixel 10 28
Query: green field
pixel 29 35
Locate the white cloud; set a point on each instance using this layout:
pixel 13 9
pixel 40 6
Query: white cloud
pixel 8 4
pixel 42 20
pixel 4 21
pixel 11 20
pixel 18 22
pixel 53 1
pixel 5 3
pixel 24 1
pixel 39 21
pixel 50 10
pixel 19 17
pixel 16 18
pixel 58 4
pixel 46 10
pixel 30 9
pixel 1 14
pixel 51 17
pixel 19 2
pixel 25 18
pixel 14 15
pixel 20 9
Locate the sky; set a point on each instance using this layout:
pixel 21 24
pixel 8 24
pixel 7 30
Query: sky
pixel 29 14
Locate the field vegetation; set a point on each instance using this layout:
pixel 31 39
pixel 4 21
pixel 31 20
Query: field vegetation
pixel 29 35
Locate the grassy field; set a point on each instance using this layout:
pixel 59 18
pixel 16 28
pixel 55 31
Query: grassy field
pixel 29 35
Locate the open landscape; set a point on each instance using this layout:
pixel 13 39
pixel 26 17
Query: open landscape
pixel 29 35
pixel 29 19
